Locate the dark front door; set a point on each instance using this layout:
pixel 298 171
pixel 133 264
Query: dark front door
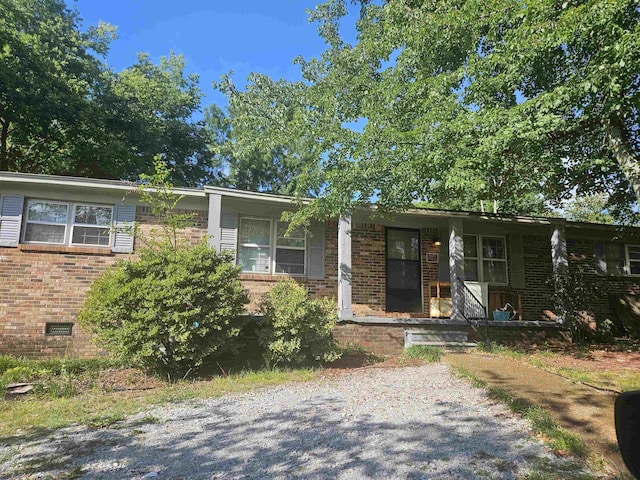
pixel 404 292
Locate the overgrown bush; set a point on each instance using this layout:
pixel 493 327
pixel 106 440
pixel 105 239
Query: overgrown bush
pixel 294 329
pixel 573 295
pixel 169 309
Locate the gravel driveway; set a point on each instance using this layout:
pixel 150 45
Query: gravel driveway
pixel 418 422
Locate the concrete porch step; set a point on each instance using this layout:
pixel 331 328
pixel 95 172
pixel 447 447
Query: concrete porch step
pixel 413 337
pixel 446 345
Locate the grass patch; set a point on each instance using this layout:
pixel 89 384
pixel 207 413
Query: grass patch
pixel 544 469
pixel 54 378
pixel 427 353
pixel 617 380
pixel 37 415
pixel 494 347
pixel 621 381
pixel 559 439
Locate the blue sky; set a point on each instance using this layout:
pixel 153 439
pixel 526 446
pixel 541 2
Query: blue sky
pixel 214 36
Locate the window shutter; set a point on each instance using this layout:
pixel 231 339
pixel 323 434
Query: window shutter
pixel 125 217
pixel 600 258
pixel 316 251
pixel 229 233
pixel 516 258
pixel 10 219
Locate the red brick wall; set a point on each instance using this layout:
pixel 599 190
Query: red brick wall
pixel 46 286
pixel 369 269
pixel 389 339
pixel 40 285
pixel 378 339
pixel 581 253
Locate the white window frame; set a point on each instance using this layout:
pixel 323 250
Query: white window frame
pixel 27 222
pixel 276 247
pixel 480 259
pixel 273 247
pixel 626 269
pixel 256 245
pixel 73 224
pixel 68 225
pixel 628 260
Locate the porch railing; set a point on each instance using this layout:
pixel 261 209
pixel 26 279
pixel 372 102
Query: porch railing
pixel 473 310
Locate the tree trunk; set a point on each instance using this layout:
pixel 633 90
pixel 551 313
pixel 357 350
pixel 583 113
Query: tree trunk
pixel 624 155
pixel 4 135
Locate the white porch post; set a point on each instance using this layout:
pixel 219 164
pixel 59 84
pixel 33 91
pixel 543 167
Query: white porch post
pixel 559 255
pixel 456 267
pixel 213 226
pixel 345 310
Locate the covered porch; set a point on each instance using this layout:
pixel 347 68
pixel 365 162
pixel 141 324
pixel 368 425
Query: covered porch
pixel 449 288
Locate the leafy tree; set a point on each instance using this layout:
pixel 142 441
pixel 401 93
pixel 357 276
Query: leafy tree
pixel 63 111
pixel 532 204
pixel 50 70
pixel 474 100
pixel 155 105
pixel 591 208
pixel 263 143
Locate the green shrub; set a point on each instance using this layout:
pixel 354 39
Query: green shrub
pixel 294 329
pixel 425 352
pixel 168 310
pixel 7 362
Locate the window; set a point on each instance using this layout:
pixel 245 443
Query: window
pixel 619 259
pixel 290 250
pixel 91 225
pixel 263 247
pixel 64 223
pixel 46 222
pixel 616 259
pixel 254 238
pixel 485 259
pixel 633 257
pixel 471 258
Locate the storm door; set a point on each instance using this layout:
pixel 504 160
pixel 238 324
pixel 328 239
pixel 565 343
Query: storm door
pixel 404 292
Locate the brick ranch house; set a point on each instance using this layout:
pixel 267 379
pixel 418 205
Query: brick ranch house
pixel 420 276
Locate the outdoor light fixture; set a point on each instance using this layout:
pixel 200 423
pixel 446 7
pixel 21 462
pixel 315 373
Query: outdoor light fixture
pixel 436 241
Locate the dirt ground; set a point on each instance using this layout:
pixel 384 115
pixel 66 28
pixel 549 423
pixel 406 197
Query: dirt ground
pixel 580 409
pixel 599 360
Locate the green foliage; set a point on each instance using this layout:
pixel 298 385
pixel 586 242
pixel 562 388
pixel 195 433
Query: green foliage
pixel 174 305
pixel 52 378
pixel 294 329
pixel 477 100
pixel 494 347
pixel 156 191
pixel 589 208
pixel 572 296
pixel 63 110
pixel 424 352
pixel 263 143
pixel 167 310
